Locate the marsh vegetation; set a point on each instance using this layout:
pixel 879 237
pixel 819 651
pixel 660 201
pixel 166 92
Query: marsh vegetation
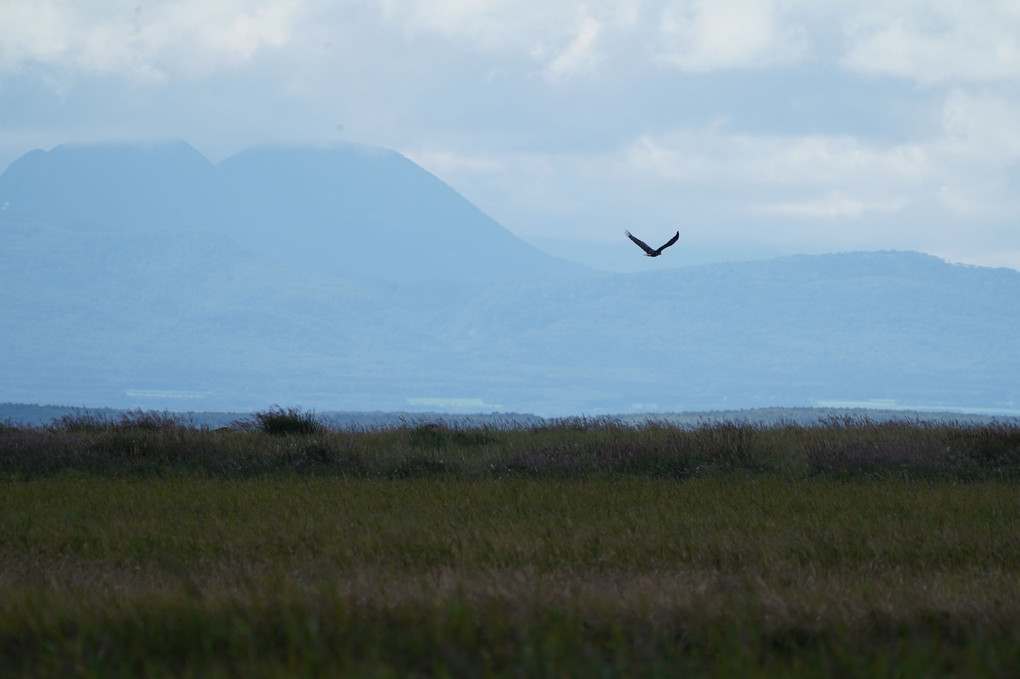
pixel 143 545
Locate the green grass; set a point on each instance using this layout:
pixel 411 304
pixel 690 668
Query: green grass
pixel 581 549
pixel 540 577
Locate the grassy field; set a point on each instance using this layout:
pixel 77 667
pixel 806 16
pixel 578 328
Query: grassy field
pixel 146 547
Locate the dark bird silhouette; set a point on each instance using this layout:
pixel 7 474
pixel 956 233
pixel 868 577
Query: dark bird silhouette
pixel 649 251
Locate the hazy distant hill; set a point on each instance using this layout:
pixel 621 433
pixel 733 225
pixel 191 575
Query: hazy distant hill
pixel 119 186
pixel 270 291
pixel 346 210
pixel 356 211
pixel 894 326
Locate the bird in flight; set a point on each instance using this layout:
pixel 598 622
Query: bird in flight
pixel 650 252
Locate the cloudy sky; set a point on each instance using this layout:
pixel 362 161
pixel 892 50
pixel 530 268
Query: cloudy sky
pixel 754 127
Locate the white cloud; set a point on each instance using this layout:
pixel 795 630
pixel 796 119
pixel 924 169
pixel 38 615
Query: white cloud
pixel 144 43
pixel 34 31
pixel 488 26
pixel 957 200
pixel 935 42
pixel 445 163
pixel 576 38
pixel 709 35
pixel 691 170
pixel 711 155
pixel 978 149
pixel 831 205
pixel 488 22
pixel 558 40
pixel 580 56
pixel 927 41
pixel 982 125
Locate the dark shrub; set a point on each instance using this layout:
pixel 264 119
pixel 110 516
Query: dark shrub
pixel 281 421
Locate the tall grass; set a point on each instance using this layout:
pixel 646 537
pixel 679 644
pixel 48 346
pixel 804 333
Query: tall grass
pixel 84 420
pixel 289 441
pixel 728 576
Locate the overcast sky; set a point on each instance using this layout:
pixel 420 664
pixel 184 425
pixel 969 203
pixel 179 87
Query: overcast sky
pixel 753 127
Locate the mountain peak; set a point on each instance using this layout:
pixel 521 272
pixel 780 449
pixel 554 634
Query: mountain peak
pixel 122 185
pixel 343 210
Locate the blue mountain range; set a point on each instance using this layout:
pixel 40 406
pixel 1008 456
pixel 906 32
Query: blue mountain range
pixel 350 278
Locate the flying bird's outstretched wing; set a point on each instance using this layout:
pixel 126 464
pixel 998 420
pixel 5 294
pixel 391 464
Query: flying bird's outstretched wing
pixel 671 241
pixel 644 246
